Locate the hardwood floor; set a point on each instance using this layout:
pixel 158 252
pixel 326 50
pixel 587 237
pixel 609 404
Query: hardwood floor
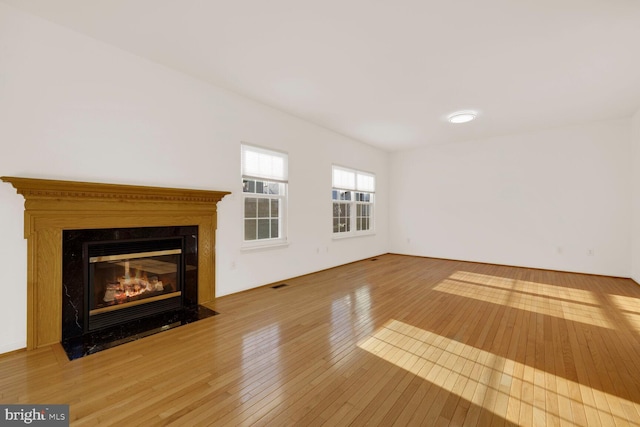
pixel 396 341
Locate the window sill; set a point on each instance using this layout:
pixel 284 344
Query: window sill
pixel 264 246
pixel 342 236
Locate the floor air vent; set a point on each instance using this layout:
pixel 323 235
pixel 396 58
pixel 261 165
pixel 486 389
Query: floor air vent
pixel 281 285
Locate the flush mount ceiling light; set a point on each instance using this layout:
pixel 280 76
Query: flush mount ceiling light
pixel 462 116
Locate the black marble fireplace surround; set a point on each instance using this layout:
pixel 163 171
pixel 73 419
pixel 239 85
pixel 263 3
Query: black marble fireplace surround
pixel 83 334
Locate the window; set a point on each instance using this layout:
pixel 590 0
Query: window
pixel 264 191
pixel 353 201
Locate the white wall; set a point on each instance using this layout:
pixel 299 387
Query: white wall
pixel 75 109
pixel 635 233
pixel 541 199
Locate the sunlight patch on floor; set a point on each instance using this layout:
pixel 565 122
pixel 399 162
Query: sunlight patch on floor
pixel 578 295
pixel 630 308
pixel 487 380
pixel 564 303
pixel 630 304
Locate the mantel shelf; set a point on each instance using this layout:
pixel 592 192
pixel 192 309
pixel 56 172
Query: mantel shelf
pixel 44 189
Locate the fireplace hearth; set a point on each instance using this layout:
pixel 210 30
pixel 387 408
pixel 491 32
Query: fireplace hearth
pixel 121 284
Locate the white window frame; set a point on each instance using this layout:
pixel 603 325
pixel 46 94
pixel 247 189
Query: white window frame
pixel 261 165
pixel 349 183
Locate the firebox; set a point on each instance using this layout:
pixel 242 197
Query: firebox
pixel 132 279
pixel 120 284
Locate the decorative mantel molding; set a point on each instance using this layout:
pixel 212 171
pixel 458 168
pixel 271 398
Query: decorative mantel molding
pixel 42 189
pixel 52 206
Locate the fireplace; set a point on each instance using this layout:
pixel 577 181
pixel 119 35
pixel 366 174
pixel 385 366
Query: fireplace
pixel 123 283
pixel 53 208
pixel 128 280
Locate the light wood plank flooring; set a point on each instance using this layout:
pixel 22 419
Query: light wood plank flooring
pixel 397 341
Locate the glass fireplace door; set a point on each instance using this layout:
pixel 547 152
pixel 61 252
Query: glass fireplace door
pixel 125 280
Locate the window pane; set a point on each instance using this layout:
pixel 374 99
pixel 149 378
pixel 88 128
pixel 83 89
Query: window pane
pixel 335 194
pixel 263 208
pixel 248 186
pixel 275 203
pixel 249 229
pixel 341 217
pixel 363 197
pixel 263 229
pixel 250 207
pixel 336 210
pixel 274 229
pixel 358 223
pixel 260 187
pixel 273 188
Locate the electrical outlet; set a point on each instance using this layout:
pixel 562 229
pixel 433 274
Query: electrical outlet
pixel 590 252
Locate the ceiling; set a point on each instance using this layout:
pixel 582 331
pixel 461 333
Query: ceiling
pixel 387 72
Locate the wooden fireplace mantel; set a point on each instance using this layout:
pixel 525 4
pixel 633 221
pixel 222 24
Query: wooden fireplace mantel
pixel 52 206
